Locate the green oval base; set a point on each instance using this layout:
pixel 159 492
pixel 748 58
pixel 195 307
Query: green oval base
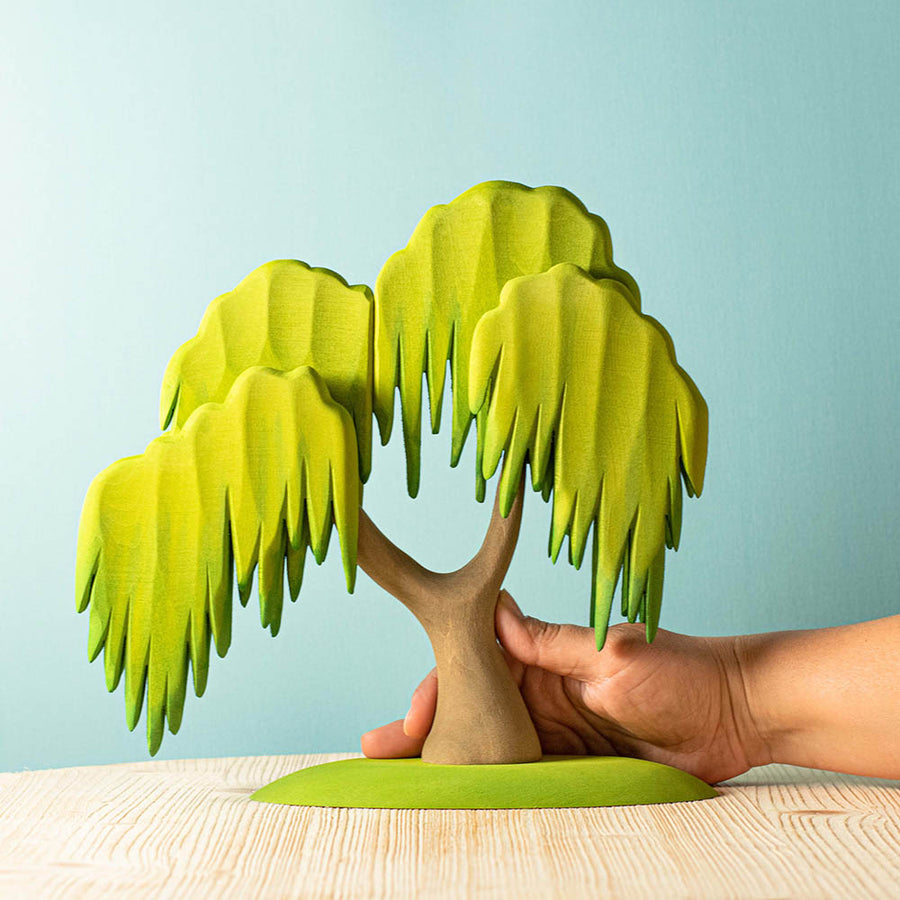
pixel 553 782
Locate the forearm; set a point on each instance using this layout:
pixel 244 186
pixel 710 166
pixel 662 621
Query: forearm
pixel 828 698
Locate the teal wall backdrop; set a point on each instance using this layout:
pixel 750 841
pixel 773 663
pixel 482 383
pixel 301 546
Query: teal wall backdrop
pixel 745 157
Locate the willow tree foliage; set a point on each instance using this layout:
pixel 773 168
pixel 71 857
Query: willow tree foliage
pixel 269 411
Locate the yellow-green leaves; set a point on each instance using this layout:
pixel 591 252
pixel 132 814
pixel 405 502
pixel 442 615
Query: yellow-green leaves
pixel 252 481
pixel 570 377
pixel 430 295
pixel 283 315
pixel 272 403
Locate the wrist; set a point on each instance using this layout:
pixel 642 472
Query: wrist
pixel 758 729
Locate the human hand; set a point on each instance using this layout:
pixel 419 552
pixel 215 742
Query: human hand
pixel 679 700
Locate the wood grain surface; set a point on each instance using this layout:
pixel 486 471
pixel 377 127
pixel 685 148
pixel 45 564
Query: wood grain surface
pixel 187 829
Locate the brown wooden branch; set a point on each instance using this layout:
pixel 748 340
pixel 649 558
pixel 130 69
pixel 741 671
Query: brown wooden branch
pixel 415 586
pixel 480 716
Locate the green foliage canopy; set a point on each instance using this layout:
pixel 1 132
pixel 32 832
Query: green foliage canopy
pixel 272 403
pixel 284 314
pixel 254 480
pixel 574 380
pixel 430 295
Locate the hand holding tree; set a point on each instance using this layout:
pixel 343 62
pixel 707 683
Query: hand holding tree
pixel 713 707
pixel 669 701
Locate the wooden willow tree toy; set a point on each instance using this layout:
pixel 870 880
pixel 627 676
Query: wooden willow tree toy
pixel 269 413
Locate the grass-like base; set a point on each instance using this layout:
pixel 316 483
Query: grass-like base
pixel 554 781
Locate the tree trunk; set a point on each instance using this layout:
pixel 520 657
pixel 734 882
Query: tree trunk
pixel 480 717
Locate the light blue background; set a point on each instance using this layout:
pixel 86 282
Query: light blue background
pixel 745 157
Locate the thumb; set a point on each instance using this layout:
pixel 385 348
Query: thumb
pixel 563 649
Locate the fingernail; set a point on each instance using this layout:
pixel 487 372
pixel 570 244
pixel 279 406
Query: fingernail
pixel 406 722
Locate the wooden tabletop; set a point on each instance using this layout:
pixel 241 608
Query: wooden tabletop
pixel 187 829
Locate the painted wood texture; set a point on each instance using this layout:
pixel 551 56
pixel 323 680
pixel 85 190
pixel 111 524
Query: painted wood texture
pixel 601 414
pixel 187 829
pixel 284 314
pixel 480 718
pixel 582 387
pixel 430 295
pixel 251 482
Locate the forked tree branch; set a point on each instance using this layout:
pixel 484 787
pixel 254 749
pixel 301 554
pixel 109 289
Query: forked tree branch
pixel 417 587
pixel 480 717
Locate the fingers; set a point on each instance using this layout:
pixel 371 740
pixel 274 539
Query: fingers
pixel 405 737
pixel 562 649
pixel 390 742
pixel 418 720
pixel 567 650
